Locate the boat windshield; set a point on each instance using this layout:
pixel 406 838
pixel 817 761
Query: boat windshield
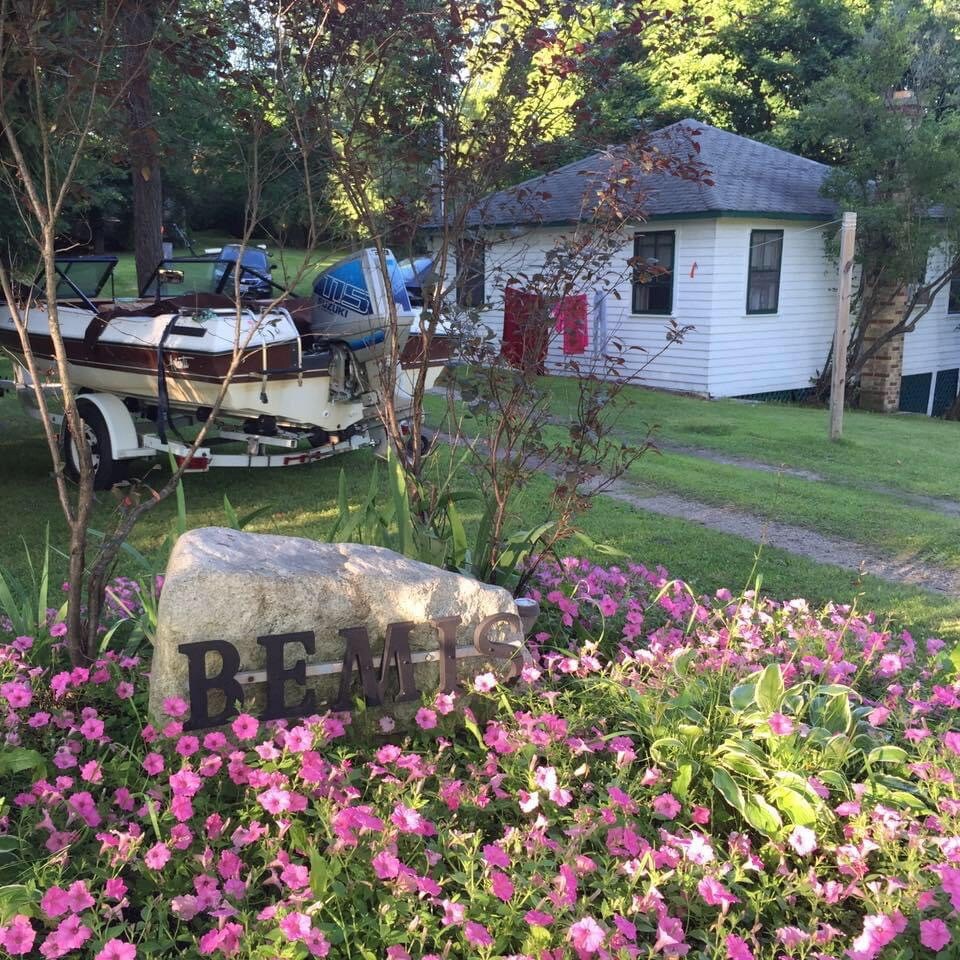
pixel 80 277
pixel 189 275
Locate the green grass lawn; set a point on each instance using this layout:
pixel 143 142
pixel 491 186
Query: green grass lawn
pixel 905 456
pixel 302 502
pixel 903 451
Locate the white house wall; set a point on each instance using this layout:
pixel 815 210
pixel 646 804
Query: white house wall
pixel 935 343
pixel 765 353
pixel 681 366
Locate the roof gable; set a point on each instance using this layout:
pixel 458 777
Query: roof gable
pixel 747 177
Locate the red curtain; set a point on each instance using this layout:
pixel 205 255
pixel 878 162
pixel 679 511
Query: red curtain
pixel 571 316
pixel 525 334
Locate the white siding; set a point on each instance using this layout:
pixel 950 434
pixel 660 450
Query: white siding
pixel 728 352
pixel 935 343
pixel 761 353
pixel 681 366
pixel 933 347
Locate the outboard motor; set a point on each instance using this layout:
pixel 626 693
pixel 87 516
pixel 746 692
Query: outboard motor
pixel 352 309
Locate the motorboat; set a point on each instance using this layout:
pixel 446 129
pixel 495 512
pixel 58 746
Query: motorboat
pixel 309 370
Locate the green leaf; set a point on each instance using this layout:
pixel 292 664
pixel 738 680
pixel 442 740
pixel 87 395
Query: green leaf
pixel 319 873
pixel 794 805
pixel 770 689
pixel 19 759
pixel 458 534
pixel 681 782
pixel 233 521
pixel 401 502
pixel 741 696
pixel 14 898
pixel 665 748
pixel 248 518
pixel 742 764
pixel 836 715
pixel 835 780
pixel 729 790
pixel 954 657
pixel 761 816
pixel 887 754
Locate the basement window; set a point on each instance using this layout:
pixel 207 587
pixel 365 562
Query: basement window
pixel 653 289
pixel 763 280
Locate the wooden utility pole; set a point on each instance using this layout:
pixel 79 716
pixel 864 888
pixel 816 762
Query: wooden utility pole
pixel 841 335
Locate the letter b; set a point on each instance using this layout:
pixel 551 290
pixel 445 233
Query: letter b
pixel 201 684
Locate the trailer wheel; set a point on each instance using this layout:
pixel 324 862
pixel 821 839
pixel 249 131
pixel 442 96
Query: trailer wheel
pixel 426 441
pixel 106 470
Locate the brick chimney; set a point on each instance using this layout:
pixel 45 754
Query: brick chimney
pixel 881 374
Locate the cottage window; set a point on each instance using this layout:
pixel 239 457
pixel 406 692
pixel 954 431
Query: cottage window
pixel 953 298
pixel 763 281
pixel 471 273
pixel 653 289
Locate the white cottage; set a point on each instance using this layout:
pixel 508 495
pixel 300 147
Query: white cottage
pixel 745 262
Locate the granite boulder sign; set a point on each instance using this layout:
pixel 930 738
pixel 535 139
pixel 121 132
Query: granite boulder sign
pixel 284 627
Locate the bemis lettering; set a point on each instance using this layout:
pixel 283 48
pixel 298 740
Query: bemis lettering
pixel 276 708
pixel 397 660
pixel 201 685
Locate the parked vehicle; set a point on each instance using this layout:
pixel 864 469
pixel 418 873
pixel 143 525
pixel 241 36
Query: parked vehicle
pixel 308 384
pixel 255 269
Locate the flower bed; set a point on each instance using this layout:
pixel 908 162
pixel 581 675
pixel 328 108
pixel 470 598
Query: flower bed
pixel 678 776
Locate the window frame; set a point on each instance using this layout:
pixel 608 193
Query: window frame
pixel 471 283
pixel 752 271
pixel 953 296
pixel 659 281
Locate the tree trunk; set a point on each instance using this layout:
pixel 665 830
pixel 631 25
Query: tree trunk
pixel 139 27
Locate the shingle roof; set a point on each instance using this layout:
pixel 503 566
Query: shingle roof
pixel 747 177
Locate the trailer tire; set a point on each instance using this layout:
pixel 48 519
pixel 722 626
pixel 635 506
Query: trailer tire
pixel 107 471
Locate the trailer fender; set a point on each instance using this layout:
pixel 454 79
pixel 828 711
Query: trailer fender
pixel 123 433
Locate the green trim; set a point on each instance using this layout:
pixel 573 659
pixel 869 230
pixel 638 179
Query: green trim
pixel 738 215
pixel 655 217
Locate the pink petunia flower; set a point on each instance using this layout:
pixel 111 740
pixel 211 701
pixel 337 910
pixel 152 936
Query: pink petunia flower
pixel 803 840
pixel 117 950
pixel 245 727
pixel 666 805
pixel 157 857
pixel 587 935
pixel 484 682
pixel 737 948
pixel 55 902
pixel 780 724
pixel 477 934
pixel 670 937
pixel 17 938
pixel 453 912
pixel 934 934
pixel 426 718
pixel 501 886
pixel 78 897
pixel 537 918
